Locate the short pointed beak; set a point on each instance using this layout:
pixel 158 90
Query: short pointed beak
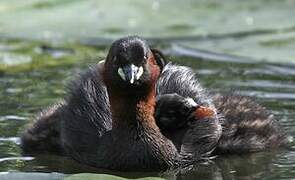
pixel 130 73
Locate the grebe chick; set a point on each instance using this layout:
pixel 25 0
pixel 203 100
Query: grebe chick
pixel 174 111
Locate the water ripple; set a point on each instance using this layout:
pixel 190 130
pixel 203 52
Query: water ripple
pixel 290 70
pixel 262 84
pixel 12 117
pixel 269 95
pixel 15 140
pixel 16 158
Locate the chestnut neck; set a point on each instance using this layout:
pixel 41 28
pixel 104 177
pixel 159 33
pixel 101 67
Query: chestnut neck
pixel 131 109
pixel 132 106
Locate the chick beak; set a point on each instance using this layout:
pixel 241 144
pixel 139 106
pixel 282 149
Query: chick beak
pixel 130 73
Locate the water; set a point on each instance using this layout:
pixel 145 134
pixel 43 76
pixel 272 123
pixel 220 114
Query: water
pixel 243 46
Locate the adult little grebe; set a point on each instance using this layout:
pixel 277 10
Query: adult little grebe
pixel 108 120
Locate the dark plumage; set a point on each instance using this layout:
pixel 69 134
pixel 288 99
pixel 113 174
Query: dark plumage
pixel 183 81
pixel 174 111
pixel 86 117
pixel 198 137
pixel 44 133
pixel 108 119
pixel 248 126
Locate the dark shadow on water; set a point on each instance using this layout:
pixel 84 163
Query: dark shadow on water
pixel 252 166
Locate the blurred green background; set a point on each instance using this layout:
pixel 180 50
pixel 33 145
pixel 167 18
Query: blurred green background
pixel 264 29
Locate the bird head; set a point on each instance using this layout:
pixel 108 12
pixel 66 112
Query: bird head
pixel 131 65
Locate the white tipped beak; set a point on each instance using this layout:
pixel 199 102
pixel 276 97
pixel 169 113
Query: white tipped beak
pixel 101 62
pixel 121 74
pixel 130 73
pixel 191 102
pixel 139 72
pixel 133 72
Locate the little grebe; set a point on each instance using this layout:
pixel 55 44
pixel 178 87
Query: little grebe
pixel 133 112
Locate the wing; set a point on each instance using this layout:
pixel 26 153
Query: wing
pixel 87 116
pixel 44 133
pixel 247 126
pixel 76 124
